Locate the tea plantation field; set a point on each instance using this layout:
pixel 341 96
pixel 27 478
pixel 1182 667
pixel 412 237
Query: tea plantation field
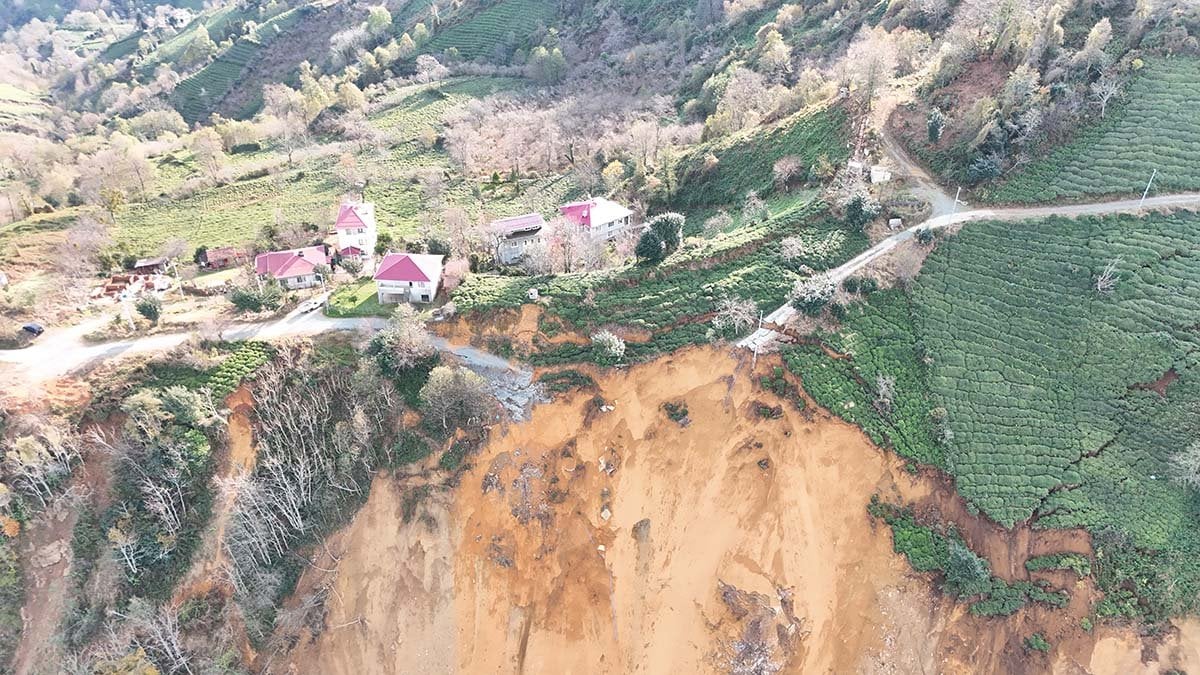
pixel 196 96
pixel 1158 127
pixel 672 303
pixel 1041 385
pixel 504 22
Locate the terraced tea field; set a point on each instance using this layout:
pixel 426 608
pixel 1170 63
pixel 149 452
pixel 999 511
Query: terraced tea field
pixel 1061 405
pixel 1158 127
pixel 672 303
pixel 196 96
pixel 480 34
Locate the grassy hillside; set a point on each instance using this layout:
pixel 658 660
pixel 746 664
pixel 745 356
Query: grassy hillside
pixel 745 161
pixel 1040 386
pixel 19 106
pixel 502 23
pixel 234 213
pixel 672 303
pixel 1157 128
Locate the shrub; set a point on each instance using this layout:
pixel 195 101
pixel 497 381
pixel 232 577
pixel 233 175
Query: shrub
pixel 677 411
pixel 150 307
pixel 1081 565
pixel 566 380
pixel 609 347
pixel 650 247
pixel 935 123
pixel 669 228
pixel 1037 642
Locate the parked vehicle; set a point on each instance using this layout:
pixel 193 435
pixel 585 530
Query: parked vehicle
pixel 34 329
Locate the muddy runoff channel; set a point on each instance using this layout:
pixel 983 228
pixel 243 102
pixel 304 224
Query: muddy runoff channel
pixel 614 539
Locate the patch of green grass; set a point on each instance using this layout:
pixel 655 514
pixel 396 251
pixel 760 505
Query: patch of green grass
pixel 745 161
pixel 1158 127
pixel 358 298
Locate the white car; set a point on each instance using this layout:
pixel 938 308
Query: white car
pixel 311 305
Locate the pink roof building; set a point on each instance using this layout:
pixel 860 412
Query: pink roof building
pixel 408 277
pixel 355 215
pixel 295 268
pixel 355 229
pixel 603 217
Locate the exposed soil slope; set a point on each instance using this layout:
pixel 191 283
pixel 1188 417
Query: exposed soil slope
pixel 619 541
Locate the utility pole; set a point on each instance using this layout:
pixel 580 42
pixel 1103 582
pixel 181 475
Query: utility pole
pixel 1147 191
pixel 957 201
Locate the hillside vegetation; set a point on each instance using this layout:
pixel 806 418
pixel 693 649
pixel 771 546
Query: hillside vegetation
pixel 1157 128
pixel 199 94
pixel 233 213
pixel 497 26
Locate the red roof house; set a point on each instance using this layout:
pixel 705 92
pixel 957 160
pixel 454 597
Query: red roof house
pixel 408 277
pixel 603 217
pixel 355 215
pixel 296 268
pixel 223 256
pixel 355 229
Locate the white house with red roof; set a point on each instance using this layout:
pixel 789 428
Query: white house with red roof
pixel 355 228
pixel 603 218
pixel 515 234
pixel 408 277
pixel 295 268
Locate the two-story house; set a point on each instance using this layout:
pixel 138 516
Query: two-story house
pixel 356 231
pixel 603 218
pixel 408 277
pixel 515 234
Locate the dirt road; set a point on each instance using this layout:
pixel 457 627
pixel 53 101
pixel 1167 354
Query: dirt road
pixel 766 335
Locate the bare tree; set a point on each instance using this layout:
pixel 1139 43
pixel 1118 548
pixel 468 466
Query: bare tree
pixel 871 62
pixel 209 151
pixel 735 313
pixel 1106 281
pixel 1105 90
pixel 80 250
pixel 885 393
pixel 455 396
pixel 403 342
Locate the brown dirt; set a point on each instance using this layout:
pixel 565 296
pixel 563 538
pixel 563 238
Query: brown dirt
pixel 47 539
pixel 620 541
pixel 1162 384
